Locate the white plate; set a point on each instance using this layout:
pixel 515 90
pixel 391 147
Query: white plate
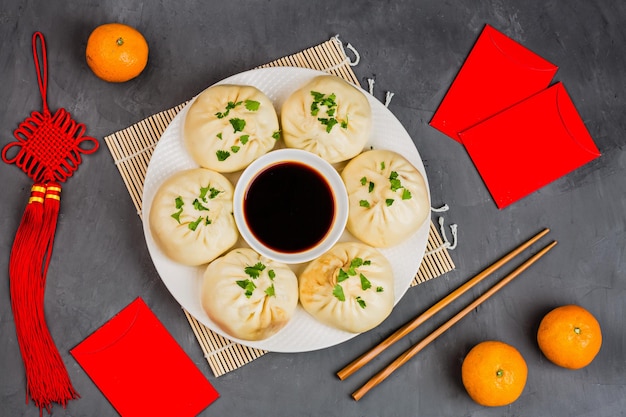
pixel 303 332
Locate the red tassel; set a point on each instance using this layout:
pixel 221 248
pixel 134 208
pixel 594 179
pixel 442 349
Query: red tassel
pixel 47 380
pixel 48 149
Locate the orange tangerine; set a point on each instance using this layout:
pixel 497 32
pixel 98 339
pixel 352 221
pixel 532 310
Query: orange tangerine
pixel 116 52
pixel 494 373
pixel 569 336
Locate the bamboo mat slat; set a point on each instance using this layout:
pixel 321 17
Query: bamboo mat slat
pixel 132 148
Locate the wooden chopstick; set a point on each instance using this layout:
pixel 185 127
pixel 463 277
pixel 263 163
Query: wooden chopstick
pixel 416 322
pixel 407 355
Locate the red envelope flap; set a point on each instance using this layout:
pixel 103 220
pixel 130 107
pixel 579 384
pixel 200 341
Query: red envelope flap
pixel 497 73
pixel 141 369
pixel 111 332
pixel 519 55
pixel 571 121
pixel 529 145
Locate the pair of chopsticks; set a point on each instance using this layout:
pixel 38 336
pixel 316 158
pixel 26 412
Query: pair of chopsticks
pixel 413 324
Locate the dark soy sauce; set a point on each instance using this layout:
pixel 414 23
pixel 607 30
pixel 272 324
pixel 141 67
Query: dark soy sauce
pixel 289 207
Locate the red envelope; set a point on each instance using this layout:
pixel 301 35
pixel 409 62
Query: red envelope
pixel 529 145
pixel 141 369
pixel 498 73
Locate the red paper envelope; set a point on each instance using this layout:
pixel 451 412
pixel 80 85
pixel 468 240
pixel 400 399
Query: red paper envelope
pixel 529 145
pixel 498 73
pixel 141 369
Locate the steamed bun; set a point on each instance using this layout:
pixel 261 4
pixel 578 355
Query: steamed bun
pixel 350 287
pixel 387 195
pixel 249 296
pixel 328 117
pixel 229 126
pixel 191 217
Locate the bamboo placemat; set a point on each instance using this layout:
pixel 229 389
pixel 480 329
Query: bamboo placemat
pixel 132 148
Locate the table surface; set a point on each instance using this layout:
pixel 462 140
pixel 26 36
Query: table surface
pixel 413 49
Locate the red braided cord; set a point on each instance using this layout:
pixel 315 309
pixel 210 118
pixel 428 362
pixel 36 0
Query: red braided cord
pixel 42 78
pixel 48 147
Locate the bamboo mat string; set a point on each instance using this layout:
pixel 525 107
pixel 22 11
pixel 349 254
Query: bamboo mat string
pixel 388 95
pixel 453 229
pixel 132 148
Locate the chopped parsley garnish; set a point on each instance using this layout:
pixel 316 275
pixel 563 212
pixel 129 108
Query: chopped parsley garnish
pixel 389 201
pixel 355 263
pixel 364 203
pixel 179 205
pixel 222 155
pixel 214 193
pixel 380 289
pixel 244 139
pixel 252 105
pixel 176 215
pixel 365 283
pixel 203 193
pixel 237 124
pixel 231 105
pixel 276 135
pixel 198 205
pixel 396 185
pixel 342 275
pixel 219 136
pixel 270 291
pixel 382 166
pixel 328 102
pixel 361 302
pixel 370 184
pixel 345 274
pixel 235 149
pixel 255 270
pixel 317 100
pixel 248 286
pixel 328 122
pixel 394 181
pixel 194 225
pixel 338 293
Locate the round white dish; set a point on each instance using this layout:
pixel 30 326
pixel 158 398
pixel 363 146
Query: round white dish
pixel 303 332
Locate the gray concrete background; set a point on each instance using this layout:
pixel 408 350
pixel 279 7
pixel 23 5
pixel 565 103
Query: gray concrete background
pixel 412 48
